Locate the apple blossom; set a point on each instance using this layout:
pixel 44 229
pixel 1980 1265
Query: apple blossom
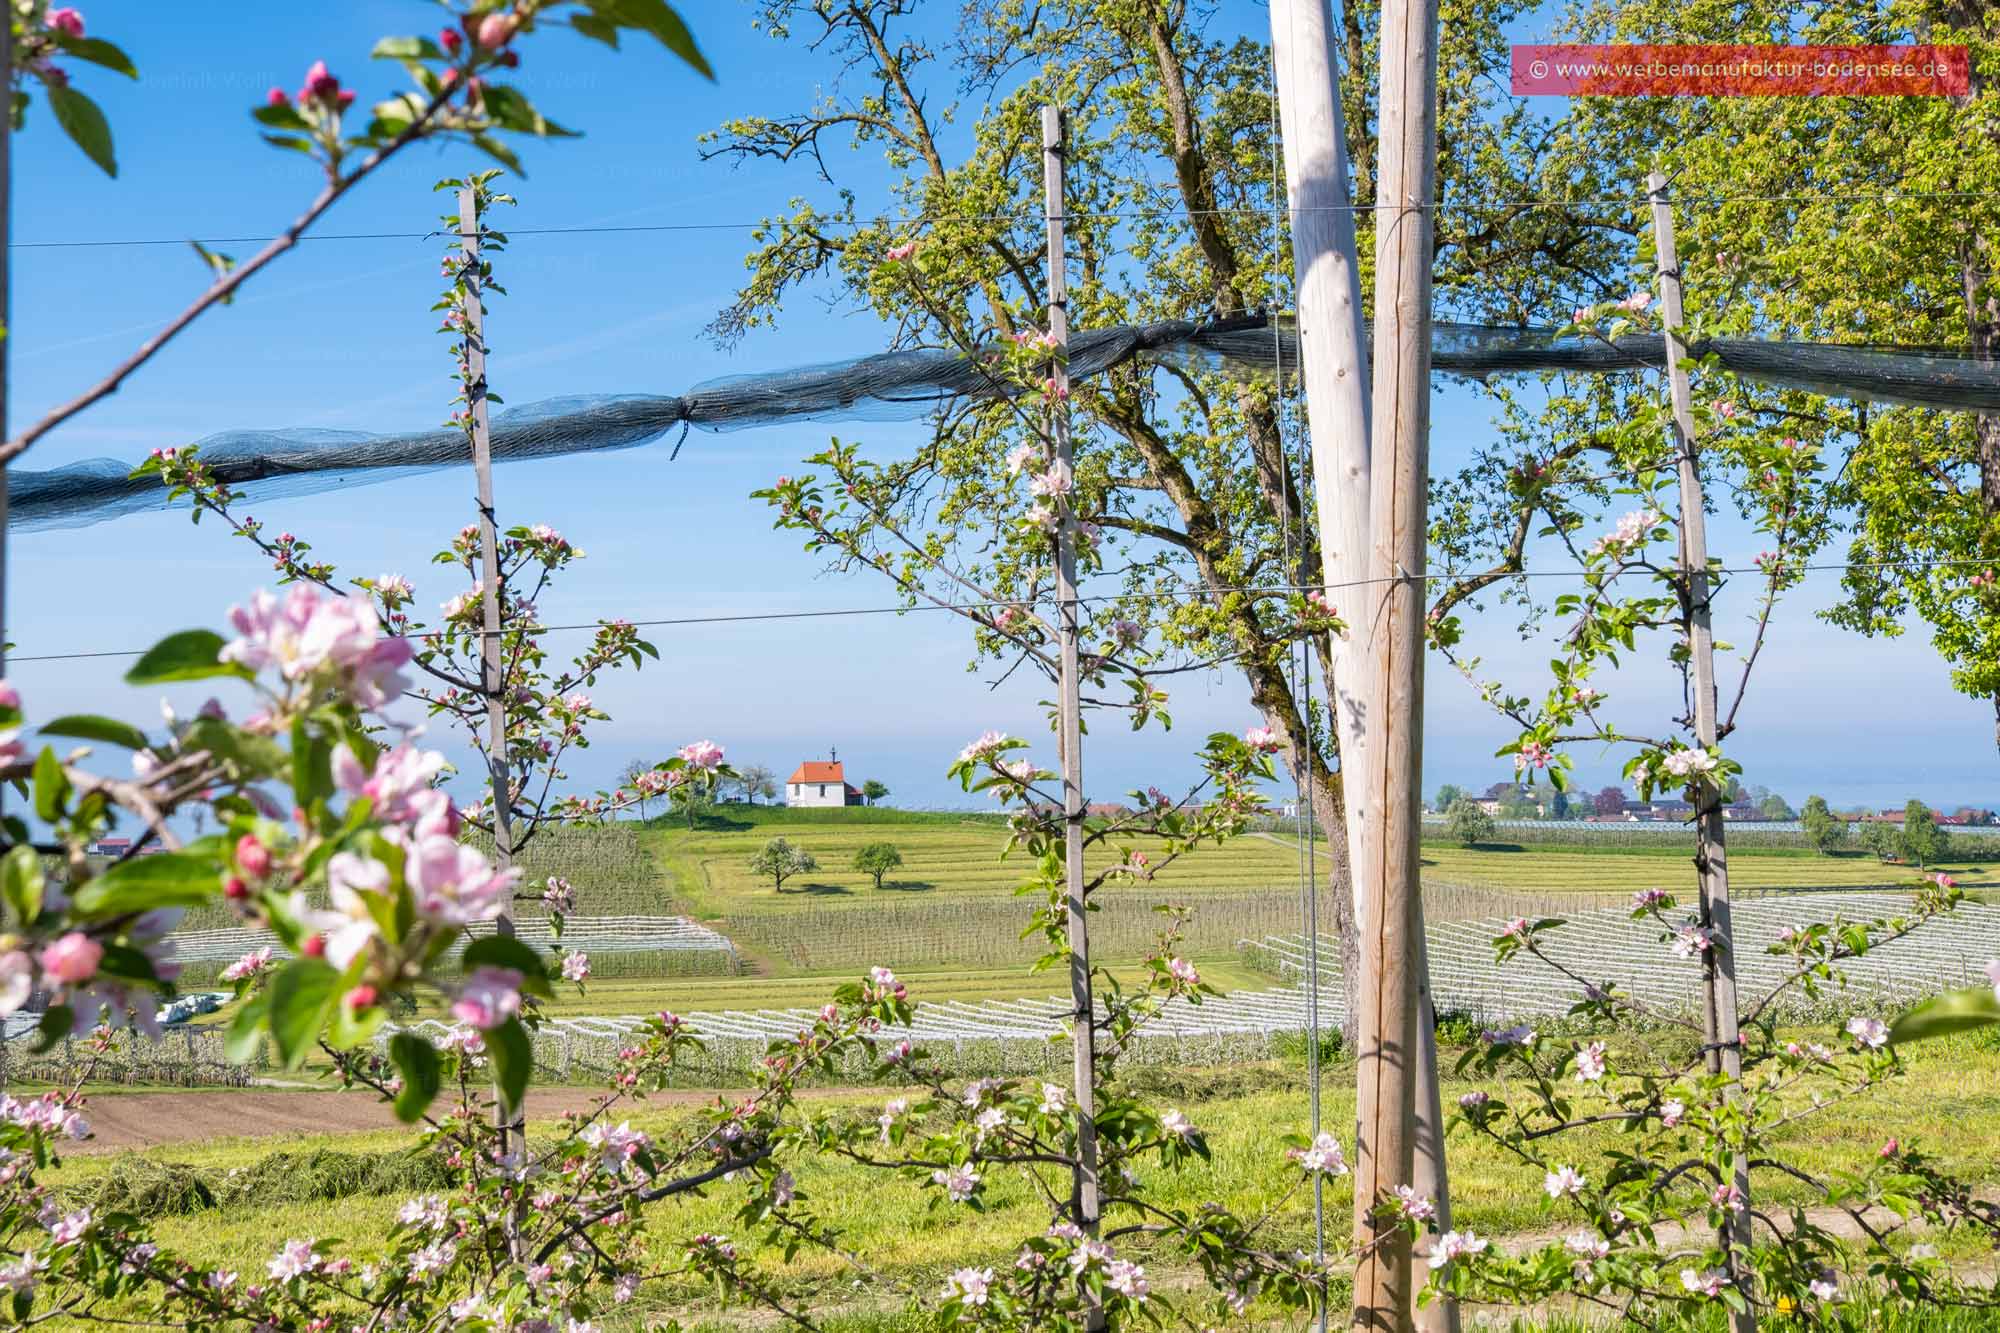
pixel 1323 1157
pixel 1705 1282
pixel 968 1286
pixel 1587 1245
pixel 576 966
pixel 249 965
pixel 702 754
pixel 488 997
pixel 1870 1032
pixel 959 1182
pixel 1127 1279
pixel 1590 1063
pixel 1563 1182
pixel 1414 1206
pixel 1455 1245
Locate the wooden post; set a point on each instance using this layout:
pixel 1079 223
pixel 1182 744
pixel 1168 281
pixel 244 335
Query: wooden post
pixel 1334 362
pixel 1083 1013
pixel 509 1120
pixel 1393 619
pixel 492 683
pixel 6 308
pixel 1711 858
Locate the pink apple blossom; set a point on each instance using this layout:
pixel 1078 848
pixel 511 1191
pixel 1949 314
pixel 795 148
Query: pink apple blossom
pixel 959 1182
pixel 576 966
pixel 1323 1157
pixel 1455 1245
pixel 66 21
pixel 1563 1182
pixel 702 754
pixel 488 997
pixel 456 884
pixel 968 1286
pixel 72 959
pixel 901 252
pixel 249 965
pixel 1262 739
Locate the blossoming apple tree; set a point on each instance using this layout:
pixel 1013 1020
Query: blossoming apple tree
pixel 1663 1221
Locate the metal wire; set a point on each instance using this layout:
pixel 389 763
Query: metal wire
pixel 1852 199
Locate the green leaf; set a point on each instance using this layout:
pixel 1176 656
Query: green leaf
pixel 246 1029
pixel 22 885
pixel 58 1022
pixel 281 117
pixel 300 996
pixel 84 123
pixel 98 52
pixel 513 1056
pixel 90 727
pixel 660 19
pixel 312 765
pixel 406 48
pixel 51 786
pixel 511 110
pixel 595 28
pixel 507 951
pixel 1954 1011
pixel 192 654
pixel 499 152
pixel 169 879
pixel 218 264
pixel 417 1062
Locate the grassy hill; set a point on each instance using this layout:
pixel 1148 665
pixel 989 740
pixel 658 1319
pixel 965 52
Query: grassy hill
pixel 944 855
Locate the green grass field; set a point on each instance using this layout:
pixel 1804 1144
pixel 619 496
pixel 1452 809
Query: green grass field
pixel 944 856
pixel 1946 1104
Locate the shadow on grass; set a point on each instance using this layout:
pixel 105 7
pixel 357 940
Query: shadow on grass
pixel 908 886
pixel 819 889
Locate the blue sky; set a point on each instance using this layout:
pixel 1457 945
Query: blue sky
pixel 338 334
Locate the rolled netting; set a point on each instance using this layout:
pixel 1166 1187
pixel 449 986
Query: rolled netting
pixel 268 464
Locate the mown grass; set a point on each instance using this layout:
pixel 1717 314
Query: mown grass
pixel 1566 869
pixel 1946 1105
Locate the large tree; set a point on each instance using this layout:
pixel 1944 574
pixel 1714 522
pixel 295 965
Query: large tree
pixel 1189 474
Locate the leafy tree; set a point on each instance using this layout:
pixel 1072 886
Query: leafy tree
pixel 1448 795
pixel 1182 471
pixel 878 859
pixel 779 859
pixel 1922 842
pixel 1469 822
pixel 873 792
pixel 1825 831
pixel 1878 837
pixel 1609 801
pixel 756 781
pixel 1773 807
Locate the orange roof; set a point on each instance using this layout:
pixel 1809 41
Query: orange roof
pixel 818 770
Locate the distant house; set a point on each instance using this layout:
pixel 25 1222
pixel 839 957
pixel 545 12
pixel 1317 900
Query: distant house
pixel 820 783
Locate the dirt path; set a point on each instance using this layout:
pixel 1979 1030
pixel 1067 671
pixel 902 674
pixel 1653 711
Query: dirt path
pixel 125 1120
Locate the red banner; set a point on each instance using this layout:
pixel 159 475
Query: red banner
pixel 1741 71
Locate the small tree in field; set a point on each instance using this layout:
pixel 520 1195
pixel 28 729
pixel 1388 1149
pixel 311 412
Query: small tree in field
pixel 1882 840
pixel 1609 801
pixel 873 791
pixel 1469 822
pixel 780 860
pixel 1922 842
pixel 629 777
pixel 1449 794
pixel 1773 806
pixel 878 859
pixel 1824 830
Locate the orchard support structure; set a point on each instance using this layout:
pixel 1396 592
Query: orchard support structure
pixel 1333 348
pixel 1086 1199
pixel 1721 1029
pixel 1392 622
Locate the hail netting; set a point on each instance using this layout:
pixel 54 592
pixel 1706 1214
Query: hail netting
pixel 899 385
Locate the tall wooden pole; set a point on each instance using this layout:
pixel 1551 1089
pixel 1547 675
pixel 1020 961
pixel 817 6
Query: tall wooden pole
pixel 492 682
pixel 6 304
pixel 509 1120
pixel 1393 619
pixel 1724 1053
pixel 1083 1014
pixel 1333 345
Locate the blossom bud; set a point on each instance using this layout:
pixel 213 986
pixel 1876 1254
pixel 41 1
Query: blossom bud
pixel 362 997
pixel 314 946
pixel 452 40
pixel 66 21
pixel 234 889
pixel 496 30
pixel 276 97
pixel 253 857
pixel 511 59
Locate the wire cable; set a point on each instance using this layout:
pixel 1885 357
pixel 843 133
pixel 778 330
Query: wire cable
pixel 1887 196
pixel 1249 590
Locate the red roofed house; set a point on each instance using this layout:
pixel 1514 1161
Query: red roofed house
pixel 819 782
